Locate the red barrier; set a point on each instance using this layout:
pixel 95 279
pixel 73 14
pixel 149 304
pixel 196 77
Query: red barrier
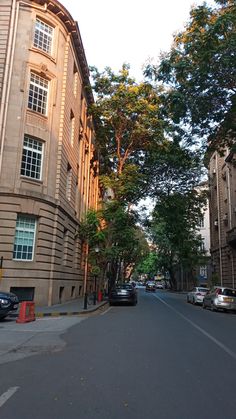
pixel 27 313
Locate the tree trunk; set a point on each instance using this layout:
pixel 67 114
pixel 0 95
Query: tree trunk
pixel 173 282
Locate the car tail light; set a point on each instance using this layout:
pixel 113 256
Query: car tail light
pixel 199 293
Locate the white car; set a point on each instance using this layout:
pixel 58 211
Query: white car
pixel 220 298
pixel 159 285
pixel 196 295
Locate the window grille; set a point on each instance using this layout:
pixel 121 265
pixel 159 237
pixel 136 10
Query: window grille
pixel 31 163
pixel 24 238
pixel 43 36
pixel 38 94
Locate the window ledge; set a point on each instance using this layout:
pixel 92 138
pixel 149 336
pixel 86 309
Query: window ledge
pixel 45 54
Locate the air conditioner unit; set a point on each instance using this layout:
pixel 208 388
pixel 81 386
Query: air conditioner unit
pixel 214 171
pixel 216 223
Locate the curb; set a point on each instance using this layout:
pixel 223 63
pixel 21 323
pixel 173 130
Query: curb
pixel 64 313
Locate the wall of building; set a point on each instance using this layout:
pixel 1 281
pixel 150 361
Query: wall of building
pixel 222 183
pixel 68 185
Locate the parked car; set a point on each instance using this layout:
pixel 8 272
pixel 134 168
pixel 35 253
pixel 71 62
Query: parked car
pixel 160 285
pixel 123 293
pixel 196 295
pixel 8 302
pixel 220 298
pixel 151 286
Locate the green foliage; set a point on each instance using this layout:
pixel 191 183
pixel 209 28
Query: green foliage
pixel 200 75
pixel 149 265
pixel 114 232
pixel 174 229
pixel 173 168
pixel 89 229
pixel 128 127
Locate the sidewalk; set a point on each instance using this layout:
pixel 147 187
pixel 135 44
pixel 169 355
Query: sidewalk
pixel 70 308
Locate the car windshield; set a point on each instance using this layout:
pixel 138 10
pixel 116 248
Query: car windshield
pixel 202 289
pixel 124 286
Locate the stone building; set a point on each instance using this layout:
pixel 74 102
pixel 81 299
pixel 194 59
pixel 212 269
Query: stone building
pixel 48 165
pixel 222 185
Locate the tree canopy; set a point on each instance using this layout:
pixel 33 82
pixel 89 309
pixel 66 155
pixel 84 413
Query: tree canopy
pixel 129 127
pixel 199 74
pixel 173 169
pixel 174 230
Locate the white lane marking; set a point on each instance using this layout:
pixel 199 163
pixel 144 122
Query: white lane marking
pixel 216 341
pixel 6 396
pixel 105 312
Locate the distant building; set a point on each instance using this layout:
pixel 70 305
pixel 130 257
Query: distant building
pixel 222 185
pixel 48 164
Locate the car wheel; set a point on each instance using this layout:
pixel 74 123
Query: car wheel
pixel 3 316
pixel 187 300
pixel 194 302
pixel 203 305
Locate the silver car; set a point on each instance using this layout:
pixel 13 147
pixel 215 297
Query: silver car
pixel 196 295
pixel 220 298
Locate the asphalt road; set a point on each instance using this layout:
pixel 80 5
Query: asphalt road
pixel 161 359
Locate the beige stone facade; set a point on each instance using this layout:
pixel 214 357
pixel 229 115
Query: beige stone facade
pixel 48 167
pixel 222 185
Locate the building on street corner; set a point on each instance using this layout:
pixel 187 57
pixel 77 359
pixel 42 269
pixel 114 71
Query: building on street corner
pixel 222 182
pixel 48 163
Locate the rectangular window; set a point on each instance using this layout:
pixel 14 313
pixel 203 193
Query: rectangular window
pixel 31 163
pixel 202 245
pixel 72 128
pixel 38 94
pixel 43 36
pixel 75 80
pixel 68 182
pixel 65 246
pixel 201 221
pixel 203 271
pixel 24 238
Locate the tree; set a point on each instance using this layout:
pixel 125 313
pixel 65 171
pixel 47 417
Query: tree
pixel 121 242
pixel 148 266
pixel 173 168
pixel 174 231
pixel 199 74
pixel 128 128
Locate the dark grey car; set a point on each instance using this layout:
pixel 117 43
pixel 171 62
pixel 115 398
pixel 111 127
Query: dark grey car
pixel 8 302
pixel 220 298
pixel 123 293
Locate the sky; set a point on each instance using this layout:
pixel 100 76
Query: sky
pixel 130 31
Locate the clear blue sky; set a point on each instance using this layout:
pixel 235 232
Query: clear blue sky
pixel 131 31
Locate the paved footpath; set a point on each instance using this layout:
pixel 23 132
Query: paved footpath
pixel 19 340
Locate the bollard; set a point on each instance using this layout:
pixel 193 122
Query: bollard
pixel 85 301
pixel 99 296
